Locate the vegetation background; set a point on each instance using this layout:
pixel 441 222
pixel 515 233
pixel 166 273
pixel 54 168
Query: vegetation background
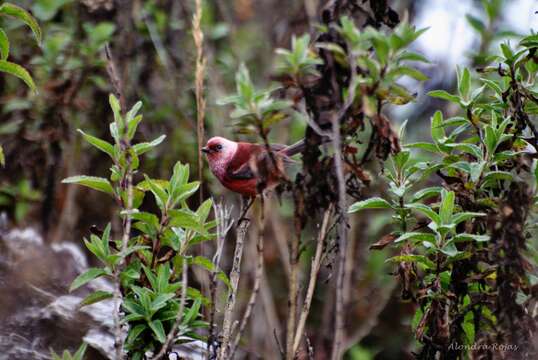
pixel 152 44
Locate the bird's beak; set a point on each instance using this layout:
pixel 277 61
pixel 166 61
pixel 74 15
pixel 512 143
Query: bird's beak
pixel 206 150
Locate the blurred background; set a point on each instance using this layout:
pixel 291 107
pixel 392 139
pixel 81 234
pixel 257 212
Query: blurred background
pixel 42 222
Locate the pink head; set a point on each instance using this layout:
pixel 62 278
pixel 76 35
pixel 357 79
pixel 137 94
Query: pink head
pixel 219 152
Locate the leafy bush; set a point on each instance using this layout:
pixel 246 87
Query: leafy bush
pixel 150 264
pixel 462 246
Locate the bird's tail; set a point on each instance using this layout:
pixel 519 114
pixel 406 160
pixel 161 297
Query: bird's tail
pixel 300 145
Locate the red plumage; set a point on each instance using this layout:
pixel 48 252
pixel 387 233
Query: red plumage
pixel 236 164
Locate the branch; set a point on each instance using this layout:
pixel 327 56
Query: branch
pixel 257 280
pixel 115 79
pixel 293 290
pixel 232 293
pixel 224 224
pixel 316 264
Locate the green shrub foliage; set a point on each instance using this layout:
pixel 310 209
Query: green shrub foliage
pixel 151 263
pixel 463 252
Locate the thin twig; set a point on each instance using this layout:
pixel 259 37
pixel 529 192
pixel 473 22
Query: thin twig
pixel 232 293
pixel 316 264
pixel 115 79
pixel 198 36
pixel 257 280
pixel 179 316
pixel 280 349
pixel 293 290
pixel 224 224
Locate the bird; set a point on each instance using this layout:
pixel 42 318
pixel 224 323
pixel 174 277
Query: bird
pixel 238 165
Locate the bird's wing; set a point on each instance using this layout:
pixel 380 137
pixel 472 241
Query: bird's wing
pixel 239 167
pixel 242 173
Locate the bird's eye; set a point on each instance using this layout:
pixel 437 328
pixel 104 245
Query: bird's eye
pixel 218 147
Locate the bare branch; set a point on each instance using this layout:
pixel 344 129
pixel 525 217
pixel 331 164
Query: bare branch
pixel 224 224
pixel 232 293
pixel 293 290
pixel 257 280
pixel 314 270
pixel 115 78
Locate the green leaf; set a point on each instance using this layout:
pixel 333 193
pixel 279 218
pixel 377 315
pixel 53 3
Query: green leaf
pixel 371 203
pixel 416 318
pixel 409 71
pixel 133 307
pixel 468 327
pixel 161 197
pixel 2 157
pixel 134 332
pixel 412 56
pixel 98 143
pixel 426 210
pixel 413 258
pixel 133 125
pixel 464 83
pixel 497 175
pixel 437 130
pixel 450 250
pixel 79 355
pixel 476 169
pixel 158 329
pixel 18 71
pixel 492 85
pixel 95 297
pixel 146 146
pixel 183 218
pixel 442 94
pixel 45 10
pixel 118 119
pixel 507 52
pixel 4 45
pixel 530 41
pixel 423 146
pixel 467 148
pixel 22 15
pixel 447 206
pixel 193 312
pixel 426 193
pixel 204 209
pixel 160 301
pixel 464 216
pixel 96 183
pixel 416 236
pixel 470 237
pixel 86 277
pixel 476 23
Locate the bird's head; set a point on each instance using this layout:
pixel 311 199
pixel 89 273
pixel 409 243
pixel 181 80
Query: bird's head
pixel 219 149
